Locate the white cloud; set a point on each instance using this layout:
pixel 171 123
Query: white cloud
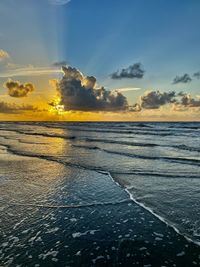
pixel 126 89
pixel 3 55
pixel 29 71
pixel 59 2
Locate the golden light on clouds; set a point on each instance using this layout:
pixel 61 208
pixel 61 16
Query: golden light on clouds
pixel 76 97
pixel 56 107
pixel 3 55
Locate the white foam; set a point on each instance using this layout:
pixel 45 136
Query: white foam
pixel 98 258
pixel 153 213
pixel 52 253
pixel 73 220
pixel 79 234
pixel 17 224
pixel 180 254
pixel 158 234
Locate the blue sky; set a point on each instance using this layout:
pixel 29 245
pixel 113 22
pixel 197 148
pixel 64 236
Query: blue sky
pixel 102 36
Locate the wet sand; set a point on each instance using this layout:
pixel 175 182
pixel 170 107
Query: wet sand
pixel 113 231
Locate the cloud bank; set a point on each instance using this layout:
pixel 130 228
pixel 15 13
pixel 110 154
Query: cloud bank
pixel 79 92
pixel 178 101
pixel 188 101
pixel 17 89
pixel 156 99
pixel 11 108
pixel 133 71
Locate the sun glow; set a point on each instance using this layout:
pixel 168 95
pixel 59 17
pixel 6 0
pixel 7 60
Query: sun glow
pixel 56 107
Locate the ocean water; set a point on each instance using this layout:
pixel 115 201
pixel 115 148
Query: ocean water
pixel 77 194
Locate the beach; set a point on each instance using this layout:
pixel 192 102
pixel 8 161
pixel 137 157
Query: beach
pixel 99 194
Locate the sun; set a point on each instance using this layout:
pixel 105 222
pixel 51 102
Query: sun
pixel 56 107
pixel 60 109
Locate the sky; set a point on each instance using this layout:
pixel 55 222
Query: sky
pixel 106 60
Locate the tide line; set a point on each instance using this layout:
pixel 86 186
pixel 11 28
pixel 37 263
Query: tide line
pixel 153 213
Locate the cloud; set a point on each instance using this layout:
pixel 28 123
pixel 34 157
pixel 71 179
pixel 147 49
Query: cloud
pixel 59 63
pixel 133 71
pixel 3 55
pixel 135 108
pixel 29 71
pixel 79 92
pixel 185 78
pixel 178 101
pixel 127 89
pixel 59 2
pixel 16 89
pixel 188 101
pixel 197 75
pixel 156 99
pixel 11 108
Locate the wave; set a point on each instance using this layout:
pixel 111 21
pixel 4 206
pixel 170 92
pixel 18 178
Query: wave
pixel 98 169
pixel 50 158
pixel 115 125
pixel 135 144
pixel 188 148
pixel 162 219
pixel 155 174
pixel 31 143
pixel 23 141
pixel 132 131
pixel 87 147
pixel 142 128
pixel 10 149
pixel 120 142
pixel 40 134
pixel 189 161
pixel 73 137
pixel 56 206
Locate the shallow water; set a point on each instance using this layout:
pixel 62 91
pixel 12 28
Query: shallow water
pixel 55 189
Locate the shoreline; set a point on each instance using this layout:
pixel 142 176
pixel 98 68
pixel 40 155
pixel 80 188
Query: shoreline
pixel 70 212
pixel 153 213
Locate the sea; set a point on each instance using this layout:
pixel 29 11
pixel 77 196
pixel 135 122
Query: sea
pixel 99 194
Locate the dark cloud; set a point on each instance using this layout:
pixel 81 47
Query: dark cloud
pixel 79 92
pixel 179 101
pixel 11 108
pixel 185 78
pixel 156 99
pixel 197 75
pixel 187 101
pixel 133 71
pixel 16 89
pixel 59 63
